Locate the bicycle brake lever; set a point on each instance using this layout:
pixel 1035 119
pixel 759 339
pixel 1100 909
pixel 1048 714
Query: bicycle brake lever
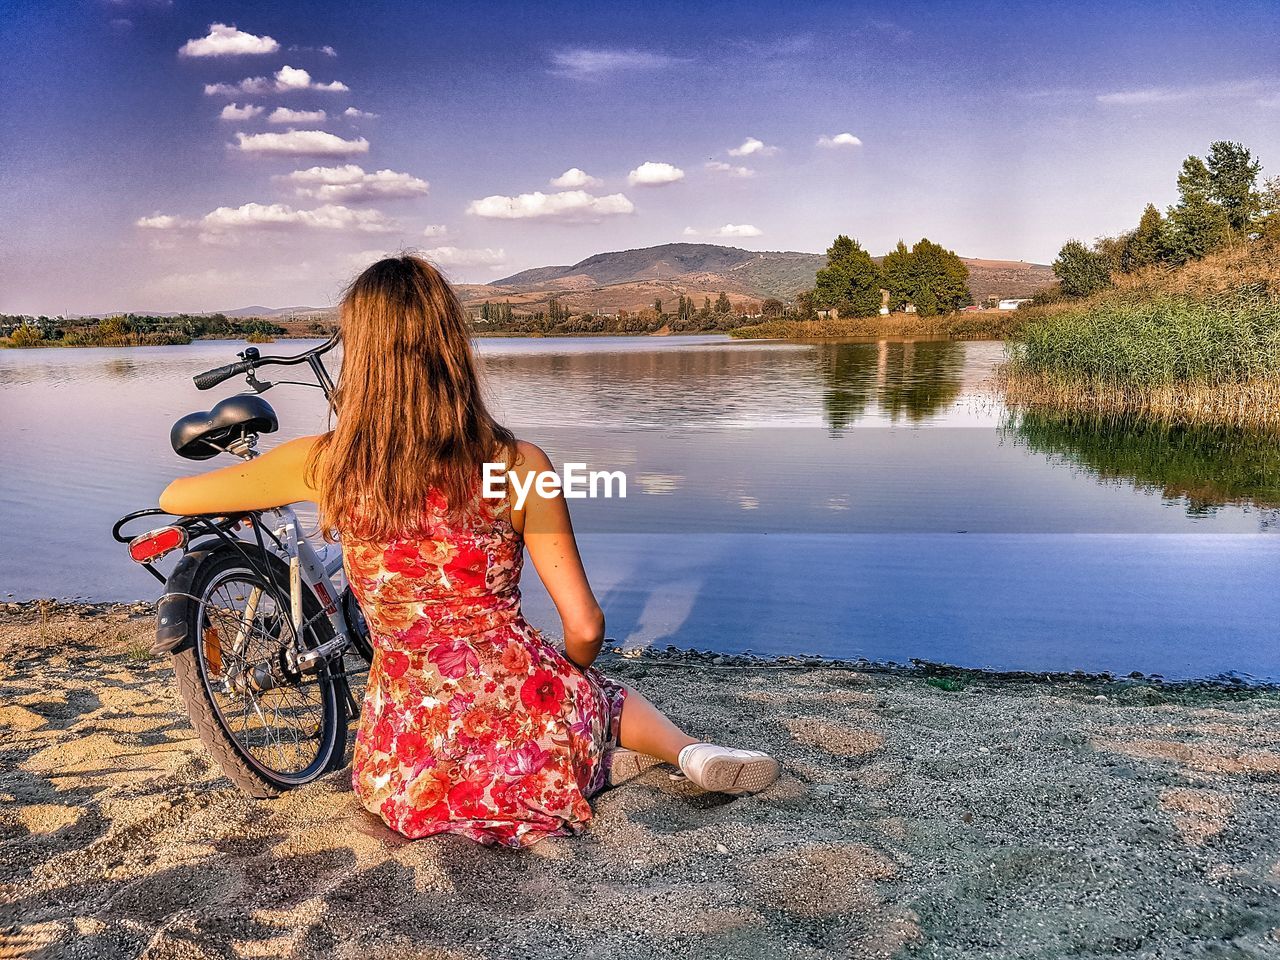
pixel 259 386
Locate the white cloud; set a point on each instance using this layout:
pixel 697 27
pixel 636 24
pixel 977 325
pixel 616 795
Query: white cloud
pixel 839 140
pixel 160 221
pixel 437 231
pixel 651 174
pixel 295 78
pixel 355 114
pixel 466 257
pixel 218 224
pixel 737 230
pixel 719 166
pixel 227 41
pixel 584 63
pixel 286 80
pixel 689 232
pixel 571 205
pixel 282 216
pixel 352 182
pixel 751 146
pixel 301 143
pixel 327 50
pixel 285 115
pixel 575 179
pixel 1151 95
pixel 233 111
pixel 247 85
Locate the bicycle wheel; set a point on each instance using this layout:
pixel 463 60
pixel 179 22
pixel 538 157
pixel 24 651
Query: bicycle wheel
pixel 269 726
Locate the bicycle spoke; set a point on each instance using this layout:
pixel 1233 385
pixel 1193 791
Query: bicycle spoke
pixel 278 727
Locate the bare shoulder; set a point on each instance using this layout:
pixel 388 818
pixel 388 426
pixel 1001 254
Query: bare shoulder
pixel 530 457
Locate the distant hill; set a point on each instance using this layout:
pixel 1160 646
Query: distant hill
pixel 633 279
pixel 237 312
pixel 766 272
pixel 274 311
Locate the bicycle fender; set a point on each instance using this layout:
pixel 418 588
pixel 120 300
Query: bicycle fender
pixel 171 621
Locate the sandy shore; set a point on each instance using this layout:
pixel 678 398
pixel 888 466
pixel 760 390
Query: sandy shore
pixel 917 817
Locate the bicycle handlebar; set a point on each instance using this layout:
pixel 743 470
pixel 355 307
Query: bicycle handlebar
pixel 211 378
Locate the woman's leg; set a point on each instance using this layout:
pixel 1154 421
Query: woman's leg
pixel 646 729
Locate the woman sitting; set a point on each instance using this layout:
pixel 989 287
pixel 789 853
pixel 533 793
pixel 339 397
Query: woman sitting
pixel 472 722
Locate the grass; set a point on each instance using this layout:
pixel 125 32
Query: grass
pixel 1199 345
pixel 77 339
pixel 973 325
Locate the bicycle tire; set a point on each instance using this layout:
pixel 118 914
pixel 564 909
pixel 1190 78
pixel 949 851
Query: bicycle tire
pixel 207 718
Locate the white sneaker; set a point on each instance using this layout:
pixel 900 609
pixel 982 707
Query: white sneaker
pixel 627 764
pixel 725 770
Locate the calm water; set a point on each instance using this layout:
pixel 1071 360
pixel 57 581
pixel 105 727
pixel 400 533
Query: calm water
pixel 848 499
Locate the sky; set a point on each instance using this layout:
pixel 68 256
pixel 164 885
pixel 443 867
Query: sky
pixel 176 155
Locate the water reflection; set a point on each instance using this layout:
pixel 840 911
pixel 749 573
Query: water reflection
pixel 906 379
pixel 1203 468
pixel 123 369
pixel 856 498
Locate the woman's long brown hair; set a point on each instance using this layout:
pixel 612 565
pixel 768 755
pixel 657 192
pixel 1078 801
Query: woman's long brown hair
pixel 410 418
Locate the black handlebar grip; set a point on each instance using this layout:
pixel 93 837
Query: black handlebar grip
pixel 211 378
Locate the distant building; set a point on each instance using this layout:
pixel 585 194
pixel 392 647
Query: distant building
pixel 1012 304
pixel 831 313
pixel 910 308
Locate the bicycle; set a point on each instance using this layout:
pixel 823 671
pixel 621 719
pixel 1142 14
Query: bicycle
pixel 257 629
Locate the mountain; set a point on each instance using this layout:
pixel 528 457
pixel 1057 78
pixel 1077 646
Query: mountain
pixel 632 279
pixel 773 273
pixel 274 311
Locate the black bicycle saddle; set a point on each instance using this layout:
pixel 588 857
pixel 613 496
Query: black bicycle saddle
pixel 200 436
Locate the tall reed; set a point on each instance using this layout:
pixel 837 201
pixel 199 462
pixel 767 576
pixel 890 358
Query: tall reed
pixel 1182 356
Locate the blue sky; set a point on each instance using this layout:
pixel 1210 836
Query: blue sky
pixel 997 129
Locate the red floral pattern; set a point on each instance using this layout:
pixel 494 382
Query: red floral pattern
pixel 472 722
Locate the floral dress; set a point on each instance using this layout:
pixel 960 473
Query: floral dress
pixel 472 722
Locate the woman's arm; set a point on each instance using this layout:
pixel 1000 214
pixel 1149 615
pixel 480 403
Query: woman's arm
pixel 548 534
pixel 271 480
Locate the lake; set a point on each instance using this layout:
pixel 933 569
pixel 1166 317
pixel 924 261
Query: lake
pixel 868 499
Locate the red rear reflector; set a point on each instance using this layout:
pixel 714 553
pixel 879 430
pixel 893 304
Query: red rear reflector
pixel 156 543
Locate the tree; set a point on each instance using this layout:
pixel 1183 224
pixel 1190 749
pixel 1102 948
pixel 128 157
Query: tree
pixel 932 277
pixel 1146 244
pixel 657 307
pixel 722 303
pixel 850 281
pixel 896 274
pixel 1197 225
pixel 1233 183
pixel 772 307
pixel 1082 271
pixel 926 303
pixel 942 275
